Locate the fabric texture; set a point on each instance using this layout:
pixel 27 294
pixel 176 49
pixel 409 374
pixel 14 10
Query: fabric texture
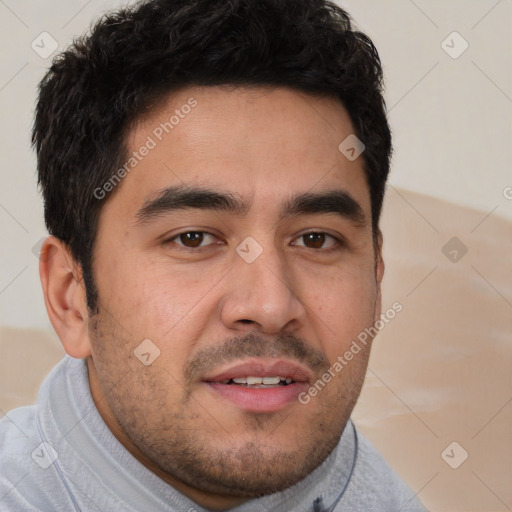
pixel 59 456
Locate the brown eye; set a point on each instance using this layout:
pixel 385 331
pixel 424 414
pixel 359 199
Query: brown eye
pixel 314 240
pixel 191 239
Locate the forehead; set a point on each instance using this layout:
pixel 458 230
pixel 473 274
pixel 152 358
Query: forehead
pixel 258 142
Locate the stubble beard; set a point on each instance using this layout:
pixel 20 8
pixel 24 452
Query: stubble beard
pixel 178 437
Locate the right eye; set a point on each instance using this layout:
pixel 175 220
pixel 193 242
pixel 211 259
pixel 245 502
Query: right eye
pixel 193 239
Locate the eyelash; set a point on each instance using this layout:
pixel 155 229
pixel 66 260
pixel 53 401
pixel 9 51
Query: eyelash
pixel 339 243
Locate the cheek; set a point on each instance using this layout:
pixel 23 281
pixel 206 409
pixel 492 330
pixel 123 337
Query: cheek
pixel 148 293
pixel 342 305
pixel 147 298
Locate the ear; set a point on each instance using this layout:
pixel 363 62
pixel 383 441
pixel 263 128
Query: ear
pixel 379 274
pixel 64 297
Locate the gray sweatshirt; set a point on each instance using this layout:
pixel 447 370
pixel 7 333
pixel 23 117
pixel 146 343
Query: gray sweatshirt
pixel 59 456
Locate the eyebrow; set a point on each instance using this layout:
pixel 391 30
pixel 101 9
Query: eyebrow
pixel 183 197
pixel 338 202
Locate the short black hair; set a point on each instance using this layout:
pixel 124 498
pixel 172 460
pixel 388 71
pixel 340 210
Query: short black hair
pixel 133 58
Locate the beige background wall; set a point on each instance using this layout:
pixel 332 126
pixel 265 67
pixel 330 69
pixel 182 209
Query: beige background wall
pixel 440 371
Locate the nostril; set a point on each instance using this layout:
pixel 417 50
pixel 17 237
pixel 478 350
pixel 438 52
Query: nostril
pixel 245 321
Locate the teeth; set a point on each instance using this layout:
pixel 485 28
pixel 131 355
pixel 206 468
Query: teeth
pixel 257 381
pixel 251 381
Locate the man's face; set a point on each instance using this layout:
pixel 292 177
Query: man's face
pixel 241 247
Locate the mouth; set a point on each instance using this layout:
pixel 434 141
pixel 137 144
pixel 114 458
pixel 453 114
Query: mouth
pixel 259 382
pixel 260 385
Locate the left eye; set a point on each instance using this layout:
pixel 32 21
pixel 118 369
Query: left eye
pixel 316 241
pixel 192 239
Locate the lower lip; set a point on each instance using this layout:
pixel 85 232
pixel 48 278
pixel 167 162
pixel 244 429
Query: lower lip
pixel 260 399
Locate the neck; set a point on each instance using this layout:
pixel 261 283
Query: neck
pixel 210 501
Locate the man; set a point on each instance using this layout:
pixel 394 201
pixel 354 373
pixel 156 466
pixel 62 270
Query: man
pixel 213 174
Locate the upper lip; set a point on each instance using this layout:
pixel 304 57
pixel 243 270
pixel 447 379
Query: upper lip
pixel 255 367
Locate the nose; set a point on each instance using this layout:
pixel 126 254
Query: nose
pixel 260 296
